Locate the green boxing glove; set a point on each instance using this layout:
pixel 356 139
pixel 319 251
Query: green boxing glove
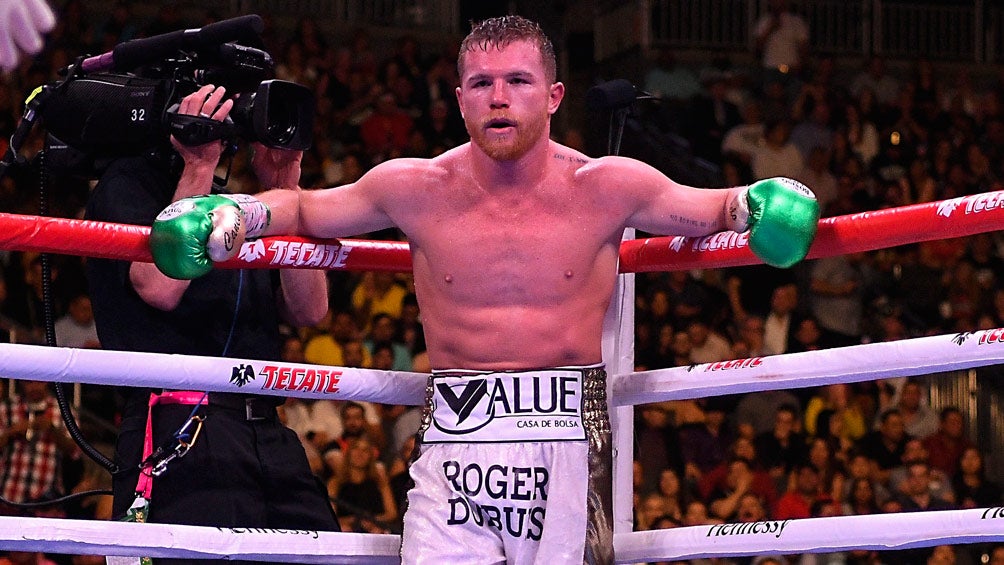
pixel 781 215
pixel 192 233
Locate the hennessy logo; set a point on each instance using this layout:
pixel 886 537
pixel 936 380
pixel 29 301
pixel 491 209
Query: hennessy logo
pixel 242 375
pixel 768 527
pixel 463 405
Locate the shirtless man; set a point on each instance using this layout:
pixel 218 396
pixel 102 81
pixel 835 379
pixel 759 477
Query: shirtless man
pixel 514 242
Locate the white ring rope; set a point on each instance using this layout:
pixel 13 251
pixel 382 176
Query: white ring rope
pixel 855 363
pixel 908 357
pixel 904 530
pixel 95 537
pixel 216 374
pixel 810 535
pixel 847 364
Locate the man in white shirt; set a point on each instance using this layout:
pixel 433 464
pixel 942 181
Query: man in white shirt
pixel 778 322
pixel 782 38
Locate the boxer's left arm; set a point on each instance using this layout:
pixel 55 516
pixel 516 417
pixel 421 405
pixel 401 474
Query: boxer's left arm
pixel 780 214
pixel 656 204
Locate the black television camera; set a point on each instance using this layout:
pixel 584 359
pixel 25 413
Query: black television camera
pixel 125 102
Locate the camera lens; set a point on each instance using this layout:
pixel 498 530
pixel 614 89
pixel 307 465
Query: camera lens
pixel 282 121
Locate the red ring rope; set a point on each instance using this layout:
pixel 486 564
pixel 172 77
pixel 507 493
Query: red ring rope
pixel 839 235
pixel 125 242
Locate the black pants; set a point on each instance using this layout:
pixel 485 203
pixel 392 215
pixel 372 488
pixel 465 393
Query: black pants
pixel 239 473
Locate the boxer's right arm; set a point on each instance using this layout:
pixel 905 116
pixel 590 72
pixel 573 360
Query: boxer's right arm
pixel 190 235
pixel 341 211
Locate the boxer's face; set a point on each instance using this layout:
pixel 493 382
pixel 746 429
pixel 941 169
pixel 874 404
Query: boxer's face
pixel 506 98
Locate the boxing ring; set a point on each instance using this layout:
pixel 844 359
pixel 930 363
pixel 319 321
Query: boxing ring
pixel 839 235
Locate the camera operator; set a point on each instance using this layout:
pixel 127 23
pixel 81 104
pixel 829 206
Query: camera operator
pixel 245 468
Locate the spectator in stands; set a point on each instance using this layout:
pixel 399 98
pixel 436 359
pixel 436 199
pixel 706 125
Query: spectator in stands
pixel 836 297
pixel 859 466
pixel 808 336
pixel 361 489
pixel 919 419
pixel 744 138
pixel 740 480
pixel 816 173
pixel 355 425
pixel 440 129
pixel 814 129
pixel 76 328
pixel 972 487
pixel 652 507
pixel 669 80
pixel 836 397
pixel 704 445
pixel 675 495
pixel 386 132
pixel 946 445
pixel 797 501
pixel 861 133
pixel 36 453
pixel 759 410
pixel 876 80
pixel 749 342
pixel 885 445
pixel 707 345
pixel 781 448
pixel 861 498
pixel 658 354
pixel 697 515
pixel 751 509
pixel 917 492
pixel 914 452
pixel 657 444
pixel 829 464
pixel 377 293
pixel 777 156
pixel 384 330
pixel 761 484
pixel 830 431
pixel 687 297
pixel 782 38
pixel 778 325
pixel 710 116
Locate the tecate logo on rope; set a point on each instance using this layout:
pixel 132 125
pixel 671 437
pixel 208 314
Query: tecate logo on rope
pixel 974 204
pixel 289 378
pixel 713 242
pixel 296 254
pixel 735 364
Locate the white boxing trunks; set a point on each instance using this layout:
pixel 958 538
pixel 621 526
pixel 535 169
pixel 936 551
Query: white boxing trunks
pixel 512 467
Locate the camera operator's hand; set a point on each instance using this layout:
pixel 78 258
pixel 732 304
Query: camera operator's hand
pixel 276 168
pixel 206 102
pixel 22 23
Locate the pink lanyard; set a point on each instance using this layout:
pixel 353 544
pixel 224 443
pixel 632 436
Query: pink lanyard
pixel 145 483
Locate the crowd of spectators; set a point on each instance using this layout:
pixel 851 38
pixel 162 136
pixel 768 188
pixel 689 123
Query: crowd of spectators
pixel 871 140
pixel 863 140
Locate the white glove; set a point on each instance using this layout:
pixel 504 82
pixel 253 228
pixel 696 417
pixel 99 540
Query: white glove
pixel 22 23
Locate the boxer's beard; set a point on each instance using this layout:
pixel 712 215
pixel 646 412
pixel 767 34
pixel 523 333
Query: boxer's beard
pixel 527 133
